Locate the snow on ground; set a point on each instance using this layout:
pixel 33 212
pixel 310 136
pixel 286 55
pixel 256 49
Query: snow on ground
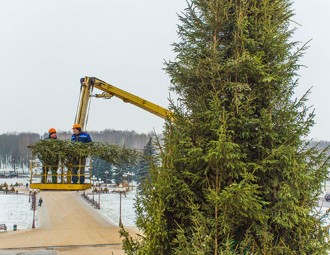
pixel 16 208
pixel 110 207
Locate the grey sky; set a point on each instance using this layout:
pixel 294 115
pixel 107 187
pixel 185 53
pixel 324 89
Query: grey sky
pixel 47 46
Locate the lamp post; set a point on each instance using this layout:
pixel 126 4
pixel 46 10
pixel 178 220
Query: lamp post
pixel 125 176
pixel 130 174
pixel 106 177
pixel 99 202
pixel 121 190
pixel 93 179
pixel 34 205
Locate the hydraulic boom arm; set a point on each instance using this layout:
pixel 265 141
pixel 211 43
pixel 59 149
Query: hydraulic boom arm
pixel 87 85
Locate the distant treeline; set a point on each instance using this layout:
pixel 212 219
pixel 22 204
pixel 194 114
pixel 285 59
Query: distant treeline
pixel 15 154
pixel 321 144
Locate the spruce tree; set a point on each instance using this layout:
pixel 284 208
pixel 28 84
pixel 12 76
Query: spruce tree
pixel 101 166
pixel 148 159
pixel 237 174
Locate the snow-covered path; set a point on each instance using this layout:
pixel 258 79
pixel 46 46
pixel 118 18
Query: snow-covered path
pixel 16 208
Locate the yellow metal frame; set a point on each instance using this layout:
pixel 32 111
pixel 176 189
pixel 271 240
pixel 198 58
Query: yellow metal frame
pixel 65 178
pixel 89 83
pixel 60 186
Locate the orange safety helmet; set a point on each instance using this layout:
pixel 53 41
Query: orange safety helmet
pixel 51 130
pixel 76 126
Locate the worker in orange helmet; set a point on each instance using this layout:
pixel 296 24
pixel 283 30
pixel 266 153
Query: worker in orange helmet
pixel 80 162
pixel 50 163
pixel 52 134
pixel 80 136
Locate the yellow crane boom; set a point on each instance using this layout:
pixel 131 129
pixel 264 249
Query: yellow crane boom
pixel 86 89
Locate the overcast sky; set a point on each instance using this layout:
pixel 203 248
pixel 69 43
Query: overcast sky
pixel 47 46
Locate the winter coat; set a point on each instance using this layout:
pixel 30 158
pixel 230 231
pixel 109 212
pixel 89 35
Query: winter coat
pixel 82 137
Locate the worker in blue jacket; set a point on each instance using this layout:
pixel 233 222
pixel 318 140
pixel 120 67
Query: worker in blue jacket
pixel 80 162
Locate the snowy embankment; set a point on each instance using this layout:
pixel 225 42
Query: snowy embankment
pixel 16 208
pixel 110 207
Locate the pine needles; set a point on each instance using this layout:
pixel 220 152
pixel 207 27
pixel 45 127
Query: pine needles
pixel 54 150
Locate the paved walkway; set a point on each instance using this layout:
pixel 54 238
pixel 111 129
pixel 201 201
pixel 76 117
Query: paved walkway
pixel 69 226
